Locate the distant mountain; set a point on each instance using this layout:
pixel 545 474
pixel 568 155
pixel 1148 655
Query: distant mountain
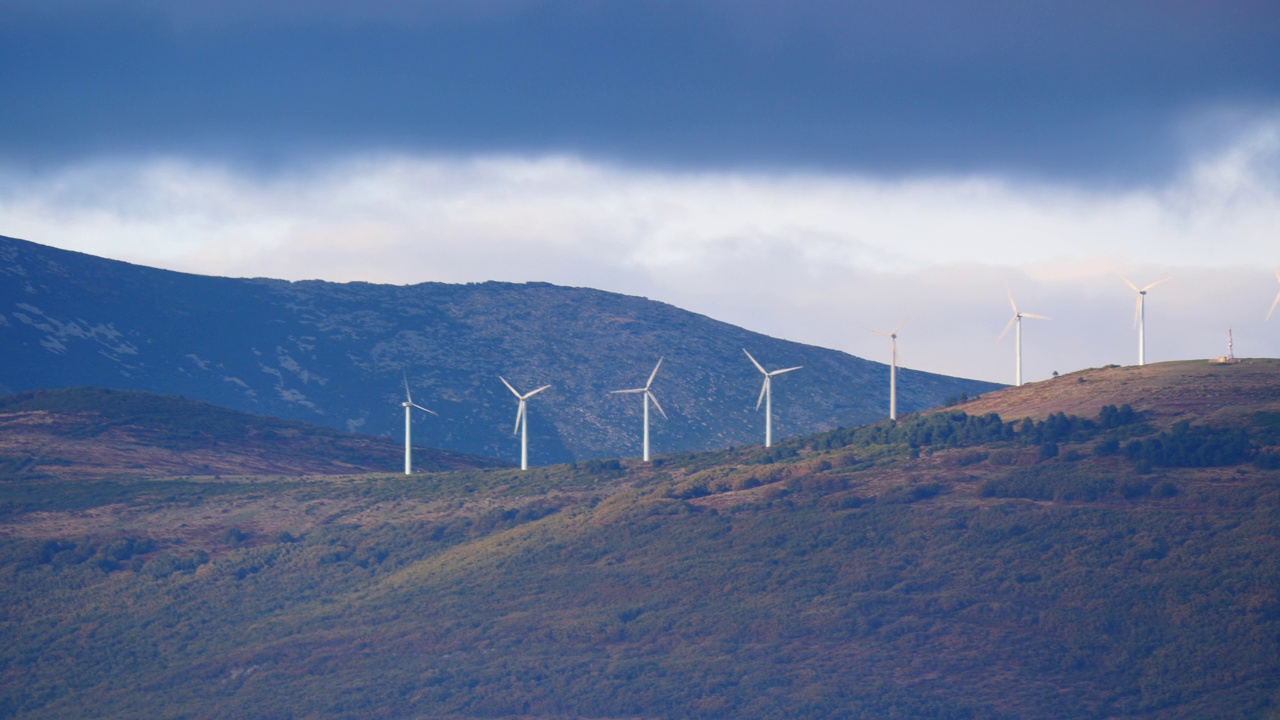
pixel 1116 556
pixel 333 354
pixel 92 433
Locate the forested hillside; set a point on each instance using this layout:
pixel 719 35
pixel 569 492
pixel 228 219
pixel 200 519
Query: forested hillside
pixel 1118 562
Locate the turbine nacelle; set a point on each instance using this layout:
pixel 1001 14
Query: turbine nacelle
pixel 1142 292
pixel 1017 316
pixel 648 393
pixel 408 399
pixel 892 334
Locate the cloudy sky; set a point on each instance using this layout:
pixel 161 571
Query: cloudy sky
pixel 803 168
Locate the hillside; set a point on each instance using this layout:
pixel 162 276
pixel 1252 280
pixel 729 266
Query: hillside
pixel 334 354
pixel 1102 563
pixel 94 433
pixel 1164 392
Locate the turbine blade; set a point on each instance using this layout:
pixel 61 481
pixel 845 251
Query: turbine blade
pixel 653 374
pixel 878 332
pixel 1155 284
pixel 1004 332
pixel 504 382
pixel 655 404
pixel 519 417
pixel 1012 304
pixel 1274 303
pixel 753 362
pixel 407 396
pixel 433 412
pixel 787 370
pixel 763 389
pixel 1277 275
pixel 627 392
pixel 1037 317
pixel 1131 285
pixel 904 322
pixel 535 392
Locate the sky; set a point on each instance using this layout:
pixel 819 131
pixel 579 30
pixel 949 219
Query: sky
pixel 807 169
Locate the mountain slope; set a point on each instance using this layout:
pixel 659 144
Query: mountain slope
pixel 90 433
pixel 951 567
pixel 333 354
pixel 1164 392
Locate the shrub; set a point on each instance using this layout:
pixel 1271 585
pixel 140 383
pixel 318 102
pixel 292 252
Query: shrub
pixel 909 493
pixel 1267 460
pixel 1003 458
pixel 970 458
pixel 1048 482
pixel 1133 488
pixel 1191 446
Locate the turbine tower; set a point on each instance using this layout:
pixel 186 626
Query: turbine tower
pixel 1275 302
pixel 766 396
pixel 1017 320
pixel 408 405
pixel 893 367
pixel 648 395
pixel 1140 316
pixel 522 420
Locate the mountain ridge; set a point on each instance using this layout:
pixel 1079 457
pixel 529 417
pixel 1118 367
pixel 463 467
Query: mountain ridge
pixel 334 354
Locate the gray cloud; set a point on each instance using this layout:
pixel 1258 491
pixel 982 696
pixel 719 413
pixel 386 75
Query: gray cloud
pixel 1047 90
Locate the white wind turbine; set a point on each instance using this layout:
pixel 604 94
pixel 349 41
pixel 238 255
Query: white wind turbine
pixel 1275 302
pixel 766 396
pixel 409 404
pixel 647 397
pixel 1140 316
pixel 522 420
pixel 893 367
pixel 1017 320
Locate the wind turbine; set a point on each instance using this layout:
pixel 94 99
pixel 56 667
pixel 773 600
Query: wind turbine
pixel 1275 302
pixel 1140 316
pixel 522 421
pixel 647 397
pixel 766 396
pixel 408 405
pixel 893 367
pixel 1017 320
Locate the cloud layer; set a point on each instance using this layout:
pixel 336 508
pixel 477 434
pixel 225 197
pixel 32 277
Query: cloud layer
pixel 810 257
pixel 1056 90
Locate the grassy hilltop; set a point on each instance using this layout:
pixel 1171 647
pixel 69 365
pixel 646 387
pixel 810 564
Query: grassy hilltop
pixel 1114 554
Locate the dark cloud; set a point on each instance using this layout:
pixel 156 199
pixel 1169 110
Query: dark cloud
pixel 1066 89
